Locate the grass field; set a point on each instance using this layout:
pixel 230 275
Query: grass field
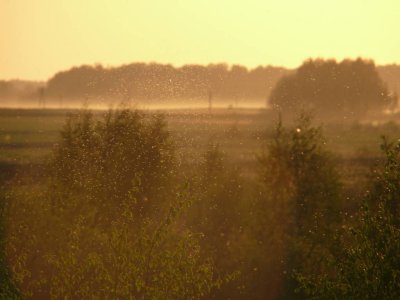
pixel 28 135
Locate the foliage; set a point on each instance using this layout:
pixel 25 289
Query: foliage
pixel 130 262
pixel 8 289
pixel 141 82
pixel 102 225
pixel 84 233
pixel 364 261
pixel 297 169
pixel 215 213
pixel 124 155
pixel 364 264
pixel 385 180
pixel 297 209
pixel 57 254
pixel 350 88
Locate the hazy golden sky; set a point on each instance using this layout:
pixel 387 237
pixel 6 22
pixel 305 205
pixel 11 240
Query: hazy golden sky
pixel 41 37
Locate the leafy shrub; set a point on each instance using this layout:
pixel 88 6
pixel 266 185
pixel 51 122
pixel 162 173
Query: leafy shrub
pixel 93 230
pixel 300 172
pixel 215 215
pixel 364 261
pixel 8 289
pixel 127 261
pixel 123 155
pixel 298 206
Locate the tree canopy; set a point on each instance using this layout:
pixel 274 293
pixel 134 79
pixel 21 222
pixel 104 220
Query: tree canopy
pixel 140 81
pixel 106 222
pixel 350 88
pixel 363 260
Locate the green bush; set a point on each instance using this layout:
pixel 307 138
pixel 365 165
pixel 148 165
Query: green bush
pixel 297 209
pixel 8 289
pixel 300 179
pixel 122 155
pixel 151 261
pixel 215 212
pixel 215 215
pixel 364 260
pixel 106 224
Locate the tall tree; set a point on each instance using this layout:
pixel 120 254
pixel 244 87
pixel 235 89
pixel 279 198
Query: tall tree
pixel 364 260
pixel 349 88
pixel 301 196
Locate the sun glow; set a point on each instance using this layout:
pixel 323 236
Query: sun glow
pixel 41 37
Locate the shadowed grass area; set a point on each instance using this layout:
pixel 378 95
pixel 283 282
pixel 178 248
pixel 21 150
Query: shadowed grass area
pixel 27 136
pixel 238 131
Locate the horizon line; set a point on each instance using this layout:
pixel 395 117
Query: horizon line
pixel 177 66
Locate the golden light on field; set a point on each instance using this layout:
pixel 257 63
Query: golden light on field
pixel 41 37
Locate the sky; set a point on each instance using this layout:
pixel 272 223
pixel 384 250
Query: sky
pixel 41 37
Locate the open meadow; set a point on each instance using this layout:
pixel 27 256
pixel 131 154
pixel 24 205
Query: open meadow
pixel 27 136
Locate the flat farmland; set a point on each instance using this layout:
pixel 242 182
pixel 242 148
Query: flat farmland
pixel 27 136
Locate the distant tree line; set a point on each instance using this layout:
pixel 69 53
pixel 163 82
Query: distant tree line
pixel 22 89
pixel 348 88
pixel 391 75
pixel 158 82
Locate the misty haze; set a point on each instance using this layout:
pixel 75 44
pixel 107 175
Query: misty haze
pixel 187 150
